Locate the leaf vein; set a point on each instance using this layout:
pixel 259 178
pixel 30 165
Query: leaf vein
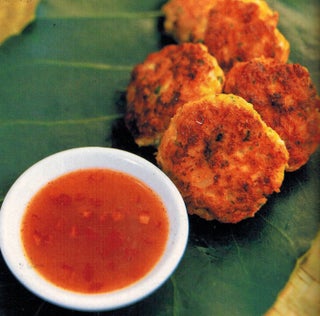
pixel 61 122
pixel 175 295
pixel 88 65
pixel 106 15
pixel 239 254
pixel 280 231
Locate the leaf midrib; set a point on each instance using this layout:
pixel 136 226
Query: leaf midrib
pixel 106 15
pixel 104 118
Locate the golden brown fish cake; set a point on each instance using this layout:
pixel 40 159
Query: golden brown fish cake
pixel 242 30
pixel 163 82
pixel 186 20
pixel 233 30
pixel 286 99
pixel 223 158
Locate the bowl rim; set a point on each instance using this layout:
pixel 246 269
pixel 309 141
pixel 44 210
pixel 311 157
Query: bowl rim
pixel 65 161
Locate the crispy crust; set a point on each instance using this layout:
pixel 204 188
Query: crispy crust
pixel 163 82
pixel 222 157
pixel 233 30
pixel 286 99
pixel 242 30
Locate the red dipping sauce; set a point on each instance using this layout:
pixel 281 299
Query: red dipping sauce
pixel 94 230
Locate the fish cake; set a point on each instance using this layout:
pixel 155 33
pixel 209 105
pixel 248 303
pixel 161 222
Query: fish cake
pixel 223 158
pixel 233 30
pixel 163 82
pixel 186 20
pixel 286 99
pixel 242 30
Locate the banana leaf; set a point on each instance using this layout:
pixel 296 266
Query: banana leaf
pixel 62 85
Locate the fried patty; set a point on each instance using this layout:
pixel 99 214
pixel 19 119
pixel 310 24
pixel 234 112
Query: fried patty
pixel 233 30
pixel 242 30
pixel 163 82
pixel 223 158
pixel 186 20
pixel 286 99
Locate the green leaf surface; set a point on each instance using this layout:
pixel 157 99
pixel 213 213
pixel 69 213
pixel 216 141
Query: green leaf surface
pixel 62 84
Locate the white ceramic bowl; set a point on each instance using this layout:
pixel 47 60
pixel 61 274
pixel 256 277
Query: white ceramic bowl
pixel 38 175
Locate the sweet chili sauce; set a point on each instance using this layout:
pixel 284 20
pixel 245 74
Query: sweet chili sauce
pixel 94 230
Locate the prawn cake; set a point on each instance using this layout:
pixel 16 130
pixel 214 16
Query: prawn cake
pixel 242 30
pixel 186 20
pixel 286 99
pixel 163 82
pixel 223 158
pixel 233 30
